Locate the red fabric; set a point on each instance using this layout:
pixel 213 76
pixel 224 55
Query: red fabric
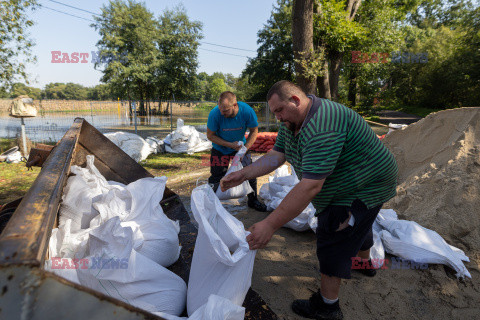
pixel 264 142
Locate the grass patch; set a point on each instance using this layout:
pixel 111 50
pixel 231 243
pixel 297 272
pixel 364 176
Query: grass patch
pixel 206 105
pixel 6 144
pixel 172 164
pixel 418 111
pixel 15 180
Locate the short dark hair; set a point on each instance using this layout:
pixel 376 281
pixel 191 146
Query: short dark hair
pixel 285 89
pixel 229 95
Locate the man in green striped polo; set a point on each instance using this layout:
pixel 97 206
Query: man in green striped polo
pixel 344 170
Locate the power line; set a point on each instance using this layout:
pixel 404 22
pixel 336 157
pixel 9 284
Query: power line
pixel 207 43
pixel 219 45
pixel 230 54
pixel 68 14
pixel 67 5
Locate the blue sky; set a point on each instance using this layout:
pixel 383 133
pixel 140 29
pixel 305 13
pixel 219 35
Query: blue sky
pixel 228 23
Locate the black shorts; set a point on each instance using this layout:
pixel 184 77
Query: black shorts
pixel 335 249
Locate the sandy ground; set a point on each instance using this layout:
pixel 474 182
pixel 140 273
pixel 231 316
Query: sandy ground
pixel 287 269
pixel 439 174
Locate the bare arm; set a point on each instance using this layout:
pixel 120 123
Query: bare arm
pixel 292 205
pixel 266 164
pixel 251 137
pixel 217 140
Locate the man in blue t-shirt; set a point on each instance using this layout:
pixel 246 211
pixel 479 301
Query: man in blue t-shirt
pixel 226 126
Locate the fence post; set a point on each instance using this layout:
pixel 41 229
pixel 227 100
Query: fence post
pixel 171 114
pixel 267 112
pixel 135 115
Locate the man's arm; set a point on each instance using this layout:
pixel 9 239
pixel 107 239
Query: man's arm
pixel 217 140
pixel 251 137
pixel 266 164
pixel 292 205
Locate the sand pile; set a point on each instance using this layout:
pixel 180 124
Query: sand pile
pixel 439 175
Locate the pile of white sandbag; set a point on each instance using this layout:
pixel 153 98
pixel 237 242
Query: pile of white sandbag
pixel 275 191
pixel 133 145
pixel 409 240
pixel 123 238
pixel 186 139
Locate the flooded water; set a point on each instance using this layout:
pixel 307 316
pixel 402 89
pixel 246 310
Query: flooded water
pixel 51 126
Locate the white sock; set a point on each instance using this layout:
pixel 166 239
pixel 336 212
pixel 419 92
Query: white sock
pixel 328 301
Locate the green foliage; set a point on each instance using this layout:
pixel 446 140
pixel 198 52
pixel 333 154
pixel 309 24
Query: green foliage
pixel 19 89
pixel 14 41
pixel 274 60
pixel 68 91
pixel 156 58
pixel 451 78
pixel 333 29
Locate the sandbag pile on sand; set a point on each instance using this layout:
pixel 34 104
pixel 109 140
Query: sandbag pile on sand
pixel 439 175
pixel 264 142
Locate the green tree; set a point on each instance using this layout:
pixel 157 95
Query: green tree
pixel 449 33
pixel 178 43
pixel 128 34
pixel 19 89
pixel 100 92
pixel 54 91
pixel 65 91
pixel 215 87
pixel 151 58
pixel 15 46
pixel 274 60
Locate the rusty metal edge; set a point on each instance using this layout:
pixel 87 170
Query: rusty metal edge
pixel 25 236
pixel 101 296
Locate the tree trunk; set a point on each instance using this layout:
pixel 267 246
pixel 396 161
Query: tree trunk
pixel 302 38
pixel 323 83
pixel 352 87
pixel 335 65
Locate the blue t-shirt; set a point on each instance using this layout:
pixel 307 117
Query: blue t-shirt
pixel 231 129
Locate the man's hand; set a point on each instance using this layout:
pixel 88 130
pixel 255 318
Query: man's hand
pixel 261 233
pixel 235 145
pixel 232 180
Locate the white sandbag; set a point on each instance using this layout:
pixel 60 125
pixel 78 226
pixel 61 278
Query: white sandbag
pixel 222 262
pixel 377 251
pixel 63 267
pixel 65 243
pixel 409 240
pixel 241 190
pixel 133 145
pixel 14 157
pixel 156 240
pixel 216 308
pixel 80 190
pixel 186 139
pixel 127 275
pixel 156 144
pixel 276 190
pixel 155 235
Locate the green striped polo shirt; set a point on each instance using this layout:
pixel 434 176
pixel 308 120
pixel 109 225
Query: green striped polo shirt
pixel 336 143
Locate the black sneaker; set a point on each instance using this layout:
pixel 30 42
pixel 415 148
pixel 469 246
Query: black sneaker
pixel 256 204
pixel 369 272
pixel 316 308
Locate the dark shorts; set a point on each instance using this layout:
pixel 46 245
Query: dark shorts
pixel 335 249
